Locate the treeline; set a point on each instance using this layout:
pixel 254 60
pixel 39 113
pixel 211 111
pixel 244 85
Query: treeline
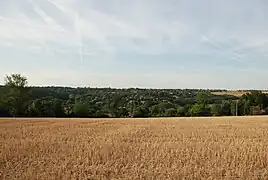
pixel 20 100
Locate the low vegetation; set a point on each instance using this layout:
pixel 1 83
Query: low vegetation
pixel 180 148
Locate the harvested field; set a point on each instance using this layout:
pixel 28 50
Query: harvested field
pixel 234 93
pixel 231 93
pixel 171 148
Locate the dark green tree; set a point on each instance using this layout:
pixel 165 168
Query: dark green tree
pixel 81 109
pixel 36 109
pixel 123 112
pixel 199 110
pixel 225 108
pixel 141 112
pixel 216 110
pixel 234 108
pixel 181 111
pixel 202 98
pixel 245 107
pixel 155 111
pixel 4 112
pixel 68 107
pixel 17 98
pixel 58 108
pixel 171 112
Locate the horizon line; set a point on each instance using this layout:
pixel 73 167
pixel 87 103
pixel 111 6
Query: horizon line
pixel 144 88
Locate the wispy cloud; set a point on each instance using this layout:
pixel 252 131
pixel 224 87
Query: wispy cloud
pixel 233 31
pixel 116 30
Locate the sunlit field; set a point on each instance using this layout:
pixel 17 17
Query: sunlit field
pixel 234 93
pixel 164 148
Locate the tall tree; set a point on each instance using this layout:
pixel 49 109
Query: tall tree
pixel 3 109
pixel 216 110
pixel 36 108
pixel 141 111
pixel 181 111
pixel 17 97
pixel 202 98
pixel 200 110
pixel 171 112
pixel 226 108
pixel 234 108
pixel 81 109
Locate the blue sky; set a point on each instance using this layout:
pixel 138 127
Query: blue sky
pixel 141 43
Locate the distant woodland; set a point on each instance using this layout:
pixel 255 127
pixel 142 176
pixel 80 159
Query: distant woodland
pixel 17 99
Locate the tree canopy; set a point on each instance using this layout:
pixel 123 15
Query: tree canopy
pixel 18 99
pixel 17 94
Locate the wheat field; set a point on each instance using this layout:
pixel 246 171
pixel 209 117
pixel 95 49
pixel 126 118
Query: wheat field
pixel 171 148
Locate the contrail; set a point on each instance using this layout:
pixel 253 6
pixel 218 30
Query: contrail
pixel 78 36
pixel 77 28
pixel 46 47
pixel 213 42
pixel 57 5
pixel 71 52
pixel 51 50
pixel 249 46
pixel 233 55
pixel 30 25
pixel 81 53
pixel 40 41
pixel 208 39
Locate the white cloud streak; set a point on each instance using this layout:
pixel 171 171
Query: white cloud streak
pixel 106 29
pixel 117 32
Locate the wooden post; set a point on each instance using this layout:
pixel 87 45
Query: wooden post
pixel 237 107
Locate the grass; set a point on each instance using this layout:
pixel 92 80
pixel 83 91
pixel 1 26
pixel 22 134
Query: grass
pixel 172 148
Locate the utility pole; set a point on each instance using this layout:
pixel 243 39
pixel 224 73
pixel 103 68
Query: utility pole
pixel 236 108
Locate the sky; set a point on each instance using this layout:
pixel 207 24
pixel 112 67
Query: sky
pixel 138 43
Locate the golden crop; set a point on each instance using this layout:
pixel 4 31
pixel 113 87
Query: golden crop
pixel 171 148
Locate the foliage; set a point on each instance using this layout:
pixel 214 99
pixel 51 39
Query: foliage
pixel 216 109
pixel 17 99
pixel 199 110
pixel 80 109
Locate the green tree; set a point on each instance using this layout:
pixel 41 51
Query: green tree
pixel 245 107
pixel 103 102
pixel 161 108
pixel 265 111
pixel 36 108
pixel 256 110
pixel 181 111
pixel 47 107
pixel 234 108
pixel 58 108
pixel 155 111
pixel 3 109
pixel 171 112
pixel 17 98
pixel 216 109
pixel 202 98
pixel 80 109
pixel 123 112
pixel 68 107
pixel 199 110
pixel 225 108
pixel 141 112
